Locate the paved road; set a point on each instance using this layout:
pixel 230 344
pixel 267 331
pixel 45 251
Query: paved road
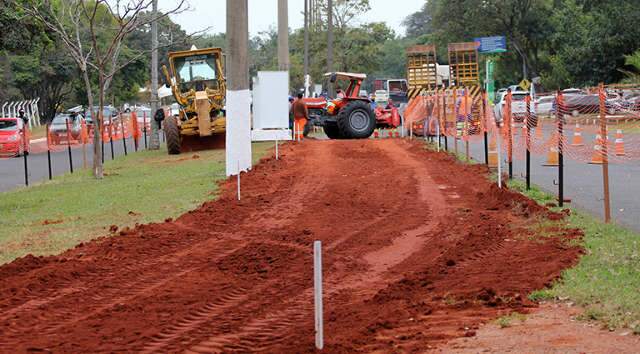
pixel 12 169
pixel 583 182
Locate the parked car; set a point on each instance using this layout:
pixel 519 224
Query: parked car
pixel 14 137
pixel 58 128
pixel 518 106
pixel 580 103
pixel 108 114
pixel 545 106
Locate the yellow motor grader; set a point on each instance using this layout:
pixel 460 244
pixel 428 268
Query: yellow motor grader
pixel 196 78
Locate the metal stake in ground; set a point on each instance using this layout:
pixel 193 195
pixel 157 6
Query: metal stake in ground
pixel 486 134
pixel 317 298
pixel 113 155
pixel 605 153
pixel 49 154
pixel 528 127
pixel 510 131
pixel 560 117
pixel 124 136
pixel 25 154
pixel 144 128
pixel 69 146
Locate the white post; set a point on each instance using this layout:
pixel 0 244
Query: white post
pixel 317 286
pixel 410 131
pixel 499 159
pixel 36 109
pixel 437 135
pixel 277 147
pixel 238 180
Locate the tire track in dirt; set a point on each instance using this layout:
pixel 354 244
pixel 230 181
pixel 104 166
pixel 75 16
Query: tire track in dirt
pixel 296 308
pixel 402 231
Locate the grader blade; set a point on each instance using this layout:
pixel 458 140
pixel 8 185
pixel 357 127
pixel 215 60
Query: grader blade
pixel 190 143
pixel 203 108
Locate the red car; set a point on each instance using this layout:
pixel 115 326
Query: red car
pixel 14 137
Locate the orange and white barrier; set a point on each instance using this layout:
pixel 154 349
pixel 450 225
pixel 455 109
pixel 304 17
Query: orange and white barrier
pixel 577 136
pixel 619 143
pixel 598 155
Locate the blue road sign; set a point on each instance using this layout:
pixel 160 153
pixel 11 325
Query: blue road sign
pixel 495 44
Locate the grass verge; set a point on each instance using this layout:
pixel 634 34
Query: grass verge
pixel 145 187
pixel 606 281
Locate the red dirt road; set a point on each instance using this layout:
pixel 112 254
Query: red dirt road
pixel 417 249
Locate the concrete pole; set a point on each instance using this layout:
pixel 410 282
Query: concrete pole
pixel 154 143
pixel 306 48
pixel 332 92
pixel 283 35
pixel 238 132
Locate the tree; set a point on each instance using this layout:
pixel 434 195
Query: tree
pixel 93 33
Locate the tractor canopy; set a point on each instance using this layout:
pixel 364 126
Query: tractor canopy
pixel 355 82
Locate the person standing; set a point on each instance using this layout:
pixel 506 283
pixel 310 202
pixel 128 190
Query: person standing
pixel 300 117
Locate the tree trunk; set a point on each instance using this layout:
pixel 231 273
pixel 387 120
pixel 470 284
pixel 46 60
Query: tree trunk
pixel 97 125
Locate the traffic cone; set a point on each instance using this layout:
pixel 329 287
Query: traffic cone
pixel 553 158
pixel 619 143
pixel 577 136
pixel 493 152
pixel 597 158
pixel 539 132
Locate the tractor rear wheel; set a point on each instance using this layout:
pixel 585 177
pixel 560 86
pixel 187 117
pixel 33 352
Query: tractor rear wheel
pixel 332 131
pixel 356 120
pixel 172 134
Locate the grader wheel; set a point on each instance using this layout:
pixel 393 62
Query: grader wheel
pixel 172 134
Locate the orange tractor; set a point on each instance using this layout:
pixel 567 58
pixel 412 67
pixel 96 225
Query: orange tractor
pixel 347 117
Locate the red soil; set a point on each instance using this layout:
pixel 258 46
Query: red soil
pixel 417 249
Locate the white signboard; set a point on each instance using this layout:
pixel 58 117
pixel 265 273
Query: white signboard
pixel 271 106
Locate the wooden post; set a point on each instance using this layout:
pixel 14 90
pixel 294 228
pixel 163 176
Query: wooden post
pixel 560 118
pixel 509 120
pixel 528 143
pixel 455 128
pixel 484 128
pixel 605 153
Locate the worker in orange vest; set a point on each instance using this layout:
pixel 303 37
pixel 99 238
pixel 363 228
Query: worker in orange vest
pixel 300 116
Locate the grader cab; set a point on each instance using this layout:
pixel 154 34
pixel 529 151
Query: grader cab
pixel 196 78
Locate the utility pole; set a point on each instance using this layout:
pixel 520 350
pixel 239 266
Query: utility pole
pixel 330 44
pixel 238 132
pixel 306 48
pixel 283 35
pixel 155 138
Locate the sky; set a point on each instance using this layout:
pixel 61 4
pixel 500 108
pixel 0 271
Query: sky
pixel 263 14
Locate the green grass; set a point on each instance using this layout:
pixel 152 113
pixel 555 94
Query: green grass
pixel 460 155
pixel 632 127
pixel 148 186
pixel 507 321
pixel 606 282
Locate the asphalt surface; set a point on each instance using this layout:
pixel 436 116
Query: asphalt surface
pixel 12 170
pixel 582 181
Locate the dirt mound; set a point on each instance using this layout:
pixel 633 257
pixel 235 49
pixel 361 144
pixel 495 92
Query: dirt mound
pixel 417 249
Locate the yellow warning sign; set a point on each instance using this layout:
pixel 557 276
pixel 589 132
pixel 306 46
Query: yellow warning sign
pixel 525 84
